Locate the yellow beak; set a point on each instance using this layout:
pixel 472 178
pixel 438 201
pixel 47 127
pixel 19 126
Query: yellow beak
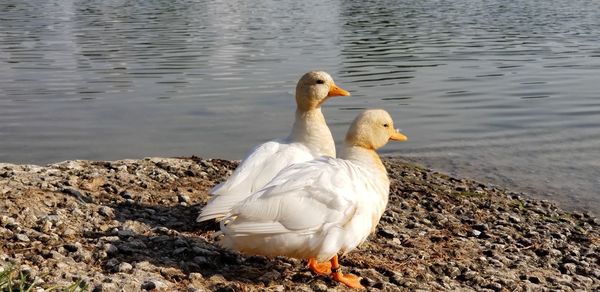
pixel 336 91
pixel 397 136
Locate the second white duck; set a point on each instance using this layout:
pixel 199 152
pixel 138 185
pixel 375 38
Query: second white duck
pixel 310 138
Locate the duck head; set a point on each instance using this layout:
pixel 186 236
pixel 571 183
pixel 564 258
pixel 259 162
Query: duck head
pixel 314 88
pixel 372 129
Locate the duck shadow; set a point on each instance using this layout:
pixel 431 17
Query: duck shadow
pixel 170 237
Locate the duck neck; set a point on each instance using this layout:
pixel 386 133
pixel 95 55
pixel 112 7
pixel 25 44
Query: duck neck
pixel 364 156
pixel 369 159
pixel 311 130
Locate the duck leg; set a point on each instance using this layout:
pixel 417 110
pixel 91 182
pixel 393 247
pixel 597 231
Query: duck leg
pixel 323 269
pixel 349 280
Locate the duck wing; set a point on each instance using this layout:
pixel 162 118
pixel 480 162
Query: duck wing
pixel 303 198
pixel 256 170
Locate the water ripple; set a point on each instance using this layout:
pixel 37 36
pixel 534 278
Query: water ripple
pixel 479 86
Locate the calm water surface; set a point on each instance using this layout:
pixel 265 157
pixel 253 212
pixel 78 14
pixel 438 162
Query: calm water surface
pixel 506 92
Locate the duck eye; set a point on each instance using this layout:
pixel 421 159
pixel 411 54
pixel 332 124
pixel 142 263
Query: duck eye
pixel 320 81
pixel 386 125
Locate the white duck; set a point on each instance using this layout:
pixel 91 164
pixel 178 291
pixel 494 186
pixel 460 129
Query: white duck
pixel 310 138
pixel 319 208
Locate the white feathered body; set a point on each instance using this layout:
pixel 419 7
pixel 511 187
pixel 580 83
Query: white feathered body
pixel 310 139
pixel 312 209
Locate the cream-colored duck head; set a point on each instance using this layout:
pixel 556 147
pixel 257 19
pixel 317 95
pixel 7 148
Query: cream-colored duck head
pixel 314 88
pixel 372 129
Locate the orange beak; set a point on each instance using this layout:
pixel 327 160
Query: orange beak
pixel 397 136
pixel 336 91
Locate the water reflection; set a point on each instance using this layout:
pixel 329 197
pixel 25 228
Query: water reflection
pixel 505 93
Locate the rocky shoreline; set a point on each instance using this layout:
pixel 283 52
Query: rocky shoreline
pixel 129 225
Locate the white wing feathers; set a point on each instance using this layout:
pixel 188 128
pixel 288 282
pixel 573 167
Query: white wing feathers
pixel 256 170
pixel 302 199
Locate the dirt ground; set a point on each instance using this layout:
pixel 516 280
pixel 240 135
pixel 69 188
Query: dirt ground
pixel 130 225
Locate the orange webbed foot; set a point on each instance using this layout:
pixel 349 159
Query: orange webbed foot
pixel 349 280
pixel 323 269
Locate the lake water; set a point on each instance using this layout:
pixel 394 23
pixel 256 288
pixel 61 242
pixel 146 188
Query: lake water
pixel 507 92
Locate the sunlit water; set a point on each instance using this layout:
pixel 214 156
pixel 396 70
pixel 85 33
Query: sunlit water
pixel 505 92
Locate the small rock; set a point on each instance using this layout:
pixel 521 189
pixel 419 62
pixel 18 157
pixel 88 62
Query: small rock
pixel 135 227
pixel 125 233
pixel 183 198
pixel 125 195
pixel 5 233
pixel 22 237
pixel 109 238
pixel 179 250
pixel 202 251
pixel 534 279
pixel 105 287
pixel 201 260
pixel 217 278
pixel 318 287
pixel 161 229
pixel 106 211
pixel 452 272
pixel 569 268
pixel 145 266
pixel 387 233
pixel 179 242
pixel 110 248
pixel 46 226
pixel 278 288
pixel 584 280
pixel 470 275
pixel 69 233
pixel 196 277
pixel 475 232
pixel 112 263
pixel 4 220
pixel 124 267
pixel 77 194
pixel 269 277
pixel 149 285
pixel 172 273
pixel 555 253
pixel 9 222
pixel 56 255
pixel 71 247
pixel 494 286
pixel 191 288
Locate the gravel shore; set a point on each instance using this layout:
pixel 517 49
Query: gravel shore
pixel 129 225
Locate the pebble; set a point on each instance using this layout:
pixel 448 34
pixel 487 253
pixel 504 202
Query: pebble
pixel 22 237
pixel 69 233
pixel 106 211
pixel 150 285
pixel 125 195
pixel 318 287
pixel 46 226
pixel 71 247
pixel 514 219
pixel 183 198
pixel 124 267
pixel 452 272
pixel 570 268
pixel 201 260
